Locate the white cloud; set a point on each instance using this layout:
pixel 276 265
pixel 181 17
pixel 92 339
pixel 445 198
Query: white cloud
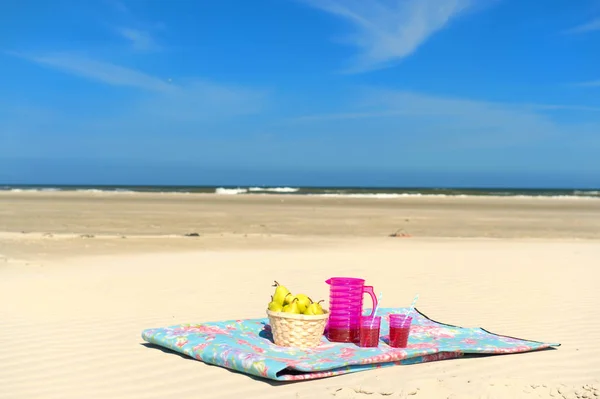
pixel 197 100
pixel 389 30
pixel 434 121
pixel 476 112
pixel 562 107
pixel 121 7
pixel 104 72
pixel 592 83
pixel 587 27
pixel 140 40
pixel 403 108
pixel 182 100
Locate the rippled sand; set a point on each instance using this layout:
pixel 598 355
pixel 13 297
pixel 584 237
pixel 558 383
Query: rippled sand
pixel 81 275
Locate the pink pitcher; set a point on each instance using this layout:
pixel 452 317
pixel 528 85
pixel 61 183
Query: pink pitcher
pixel 345 308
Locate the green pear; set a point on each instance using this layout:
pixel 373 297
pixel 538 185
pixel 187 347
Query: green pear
pixel 303 302
pixel 292 307
pixel 275 306
pixel 280 293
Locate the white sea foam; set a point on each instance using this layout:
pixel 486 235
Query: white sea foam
pixel 230 191
pixel 31 190
pixel 342 193
pixel 385 195
pixel 369 195
pixel 542 197
pixel 419 195
pixel 90 190
pixel 588 193
pixel 274 189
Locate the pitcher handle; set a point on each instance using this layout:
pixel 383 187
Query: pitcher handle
pixel 369 290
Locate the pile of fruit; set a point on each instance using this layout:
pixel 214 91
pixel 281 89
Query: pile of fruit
pixel 283 301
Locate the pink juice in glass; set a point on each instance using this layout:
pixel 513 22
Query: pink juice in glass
pixel 369 332
pixel 399 330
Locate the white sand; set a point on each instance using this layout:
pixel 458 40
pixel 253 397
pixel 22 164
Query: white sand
pixel 72 329
pixel 70 319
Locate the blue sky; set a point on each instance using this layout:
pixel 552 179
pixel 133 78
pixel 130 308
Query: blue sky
pixel 312 92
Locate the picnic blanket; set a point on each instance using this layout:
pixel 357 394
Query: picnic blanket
pixel 247 346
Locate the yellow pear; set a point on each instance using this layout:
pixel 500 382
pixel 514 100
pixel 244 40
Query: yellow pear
pixel 314 309
pixel 289 298
pixel 280 293
pixel 319 308
pixel 303 302
pixel 275 306
pixel 292 307
pixel 308 311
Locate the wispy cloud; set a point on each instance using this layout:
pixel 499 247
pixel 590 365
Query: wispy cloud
pixel 140 40
pixel 347 115
pixel 140 34
pixel 100 71
pixel 391 112
pixel 378 102
pixel 591 83
pixel 119 6
pixel 198 100
pixel 587 27
pixel 182 100
pixel 563 107
pixel 456 123
pixel 389 30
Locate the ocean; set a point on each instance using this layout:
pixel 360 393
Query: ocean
pixel 351 192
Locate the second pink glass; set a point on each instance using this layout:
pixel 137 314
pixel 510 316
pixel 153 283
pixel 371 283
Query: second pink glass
pixel 399 330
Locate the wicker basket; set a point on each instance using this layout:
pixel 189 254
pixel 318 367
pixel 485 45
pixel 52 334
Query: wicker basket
pixel 297 330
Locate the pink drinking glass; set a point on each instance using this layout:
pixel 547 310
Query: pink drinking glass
pixel 399 330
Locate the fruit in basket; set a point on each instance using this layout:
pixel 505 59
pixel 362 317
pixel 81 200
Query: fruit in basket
pixel 275 306
pixel 283 300
pixel 314 308
pixel 303 302
pixel 289 298
pixel 280 293
pixel 292 307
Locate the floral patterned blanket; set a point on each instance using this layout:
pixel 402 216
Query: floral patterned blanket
pixel 247 346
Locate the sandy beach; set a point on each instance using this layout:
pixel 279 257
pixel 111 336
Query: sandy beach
pixel 82 274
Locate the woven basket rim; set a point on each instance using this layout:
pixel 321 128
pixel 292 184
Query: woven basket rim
pixel 295 316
